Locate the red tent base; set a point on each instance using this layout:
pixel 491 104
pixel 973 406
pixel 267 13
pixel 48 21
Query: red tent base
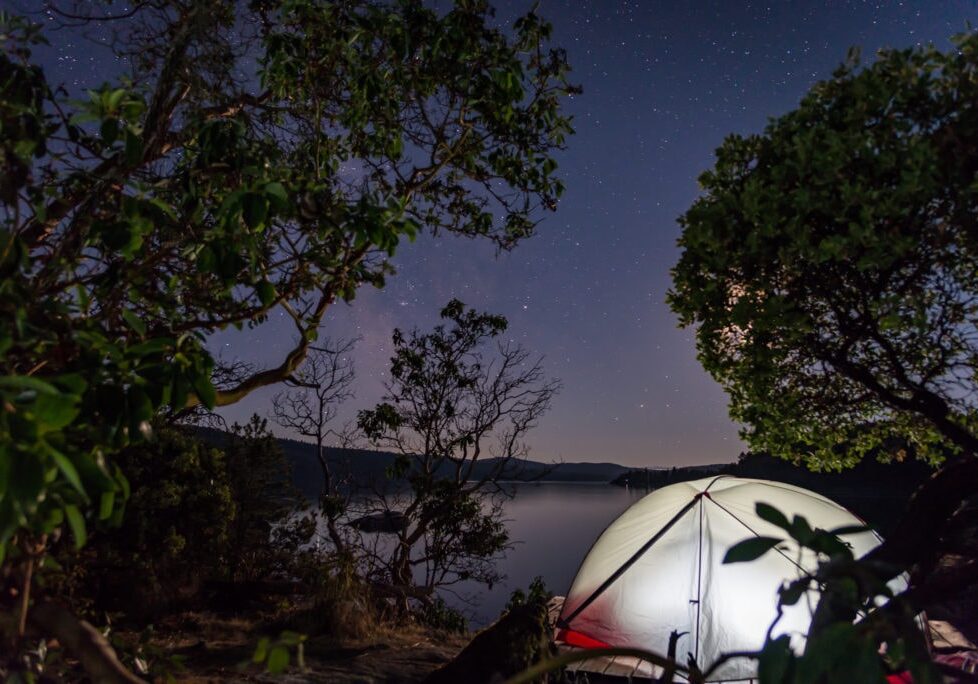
pixel 573 638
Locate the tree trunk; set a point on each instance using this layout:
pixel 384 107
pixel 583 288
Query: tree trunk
pixel 916 542
pixel 324 464
pixel 401 575
pixel 916 545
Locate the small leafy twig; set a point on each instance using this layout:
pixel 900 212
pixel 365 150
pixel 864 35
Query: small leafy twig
pixel 275 654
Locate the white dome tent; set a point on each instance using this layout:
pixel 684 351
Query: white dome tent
pixel 659 568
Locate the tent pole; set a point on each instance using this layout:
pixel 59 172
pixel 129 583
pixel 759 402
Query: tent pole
pixel 699 583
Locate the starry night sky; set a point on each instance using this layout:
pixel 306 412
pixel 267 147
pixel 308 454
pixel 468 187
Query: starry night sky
pixel 664 82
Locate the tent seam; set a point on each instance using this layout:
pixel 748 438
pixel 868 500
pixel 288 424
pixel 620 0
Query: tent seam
pixel 565 622
pixel 752 531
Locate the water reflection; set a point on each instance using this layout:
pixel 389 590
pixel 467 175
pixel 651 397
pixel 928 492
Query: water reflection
pixel 553 525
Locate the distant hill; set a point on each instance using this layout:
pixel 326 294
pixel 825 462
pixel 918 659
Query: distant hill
pixel 876 492
pixel 365 466
pixel 654 478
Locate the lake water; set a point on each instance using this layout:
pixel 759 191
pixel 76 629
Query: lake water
pixel 552 525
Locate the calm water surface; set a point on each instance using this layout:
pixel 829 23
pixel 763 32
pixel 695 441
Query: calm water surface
pixel 552 525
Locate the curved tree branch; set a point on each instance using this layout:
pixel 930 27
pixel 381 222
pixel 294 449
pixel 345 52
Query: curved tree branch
pixel 84 641
pixel 918 537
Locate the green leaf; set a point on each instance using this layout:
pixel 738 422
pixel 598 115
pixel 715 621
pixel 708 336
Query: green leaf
pixel 204 389
pixel 140 406
pixel 790 594
pixel 278 659
pixel 134 147
pixel 395 147
pixel 266 292
pixel 772 515
pixel 261 651
pixel 750 549
pixel 829 544
pixel 106 504
pixel 123 483
pixel 135 322
pixel 5 468
pixel 775 661
pixel 866 666
pixel 278 195
pixel 82 118
pixel 206 259
pixel 850 529
pixel 179 392
pixel 114 99
pixel 157 345
pixel 836 643
pixel 110 130
pixel 77 523
pixel 890 322
pixel 163 207
pixel 132 109
pixel 55 411
pixel 26 383
pixel 26 480
pixel 67 469
pixel 254 210
pixel 49 563
pixel 800 530
pixel 73 383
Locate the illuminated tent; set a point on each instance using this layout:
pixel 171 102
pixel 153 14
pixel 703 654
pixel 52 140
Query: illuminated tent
pixel 659 568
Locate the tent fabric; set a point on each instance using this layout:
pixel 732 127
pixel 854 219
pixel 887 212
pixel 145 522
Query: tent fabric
pixel 679 582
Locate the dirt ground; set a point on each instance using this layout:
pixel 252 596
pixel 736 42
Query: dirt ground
pixel 208 648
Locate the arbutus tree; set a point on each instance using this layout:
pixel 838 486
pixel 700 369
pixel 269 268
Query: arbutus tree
pixel 256 157
pixel 830 269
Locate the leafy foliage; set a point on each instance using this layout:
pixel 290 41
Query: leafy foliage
pixel 176 202
pixel 150 660
pixel 175 533
pixel 258 156
pixel 439 615
pixel 269 528
pixel 198 515
pixel 536 594
pixel 887 636
pixel 274 654
pixel 831 270
pixel 520 637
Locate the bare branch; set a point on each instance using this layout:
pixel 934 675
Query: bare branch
pixel 457 409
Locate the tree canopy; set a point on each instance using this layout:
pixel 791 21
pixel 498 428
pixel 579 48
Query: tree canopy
pixel 830 269
pixel 830 266
pixel 256 156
